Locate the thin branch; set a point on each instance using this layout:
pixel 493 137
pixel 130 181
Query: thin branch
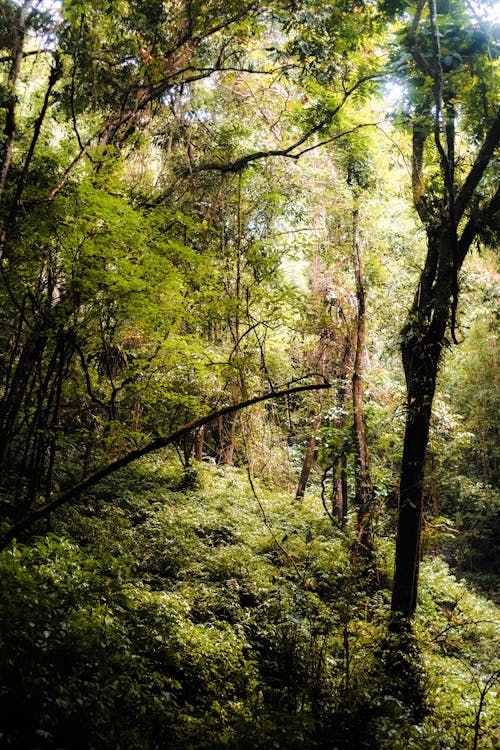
pixel 323 498
pixel 243 12
pixel 455 625
pixel 270 528
pixel 243 161
pixel 31 53
pixel 111 124
pixel 492 679
pixel 239 69
pixel 73 76
pixel 336 137
pixel 397 146
pixel 55 75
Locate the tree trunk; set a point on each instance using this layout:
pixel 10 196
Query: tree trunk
pixel 423 339
pixel 363 483
pixel 441 210
pixel 198 444
pixel 13 399
pixel 308 462
pixel 340 489
pixel 9 133
pixel 226 436
pixel 423 360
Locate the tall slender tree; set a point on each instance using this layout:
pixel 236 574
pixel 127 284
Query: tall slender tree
pixel 454 115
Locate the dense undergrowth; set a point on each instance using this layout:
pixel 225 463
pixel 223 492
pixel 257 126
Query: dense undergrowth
pixel 155 616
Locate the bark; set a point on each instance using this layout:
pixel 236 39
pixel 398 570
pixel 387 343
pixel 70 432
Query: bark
pixel 199 444
pixel 10 117
pixel 423 341
pixel 226 428
pixel 13 399
pixel 483 159
pixel 330 357
pixel 344 397
pixel 419 136
pixel 226 440
pixel 434 306
pixel 363 483
pixel 308 462
pixel 421 361
pixel 340 489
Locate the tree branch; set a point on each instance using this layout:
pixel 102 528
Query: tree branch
pixel 55 75
pixel 31 53
pixel 160 442
pixel 477 221
pixel 422 63
pixel 419 137
pixel 484 156
pixel 239 164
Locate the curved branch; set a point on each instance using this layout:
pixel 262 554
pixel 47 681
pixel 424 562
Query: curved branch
pixel 161 442
pixel 243 161
pixel 490 143
pixel 477 221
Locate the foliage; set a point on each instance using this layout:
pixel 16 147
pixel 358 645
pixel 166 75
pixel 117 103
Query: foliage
pixel 179 619
pixel 177 188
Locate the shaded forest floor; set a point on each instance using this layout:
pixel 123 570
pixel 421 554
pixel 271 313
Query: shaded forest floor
pixel 159 615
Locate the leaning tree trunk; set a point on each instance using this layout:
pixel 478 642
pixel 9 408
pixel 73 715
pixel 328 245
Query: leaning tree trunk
pixel 43 511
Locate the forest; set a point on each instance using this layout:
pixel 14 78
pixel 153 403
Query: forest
pixel 249 378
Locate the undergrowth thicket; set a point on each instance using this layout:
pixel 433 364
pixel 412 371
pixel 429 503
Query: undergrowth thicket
pixel 226 617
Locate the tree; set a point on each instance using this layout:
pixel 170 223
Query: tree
pixel 94 266
pixel 364 486
pixel 109 264
pixel 453 96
